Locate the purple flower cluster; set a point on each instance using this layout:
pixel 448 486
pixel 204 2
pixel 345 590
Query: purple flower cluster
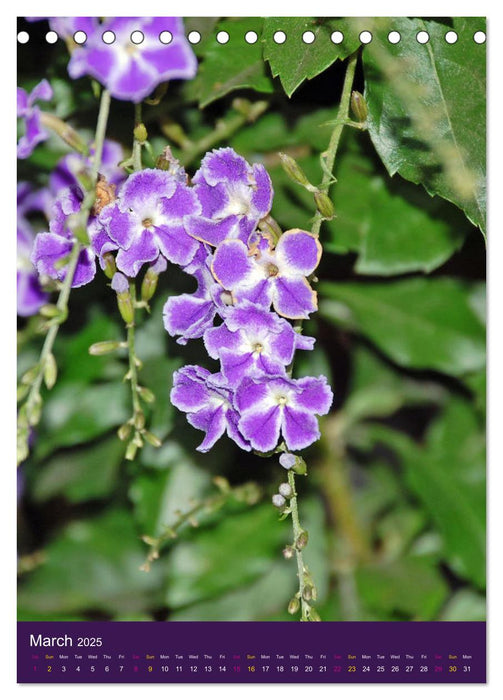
pixel 240 273
pixel 130 71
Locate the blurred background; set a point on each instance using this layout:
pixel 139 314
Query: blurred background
pixel 394 500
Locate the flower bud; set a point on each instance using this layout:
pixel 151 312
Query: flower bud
pixel 300 466
pixel 34 410
pixel 50 371
pixel 287 460
pixel 140 133
pixel 288 551
pixel 314 615
pixel 30 376
pixel 109 265
pixel 152 439
pixel 124 431
pixel 278 500
pixel 105 347
pixel 285 490
pixel 149 284
pixel 49 311
pixel 293 170
pixel 65 132
pixel 359 106
pixel 139 420
pixel 293 605
pixel 307 593
pixel 147 395
pixel 131 451
pixel 120 285
pixel 302 540
pixel 324 204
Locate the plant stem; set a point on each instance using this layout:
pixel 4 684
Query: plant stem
pixel 341 121
pixel 33 399
pixel 297 531
pixel 133 360
pixel 136 143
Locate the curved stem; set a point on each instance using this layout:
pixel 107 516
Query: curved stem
pixel 30 410
pixel 136 144
pixel 297 532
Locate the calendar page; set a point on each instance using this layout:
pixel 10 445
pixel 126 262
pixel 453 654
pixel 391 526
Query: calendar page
pixel 251 350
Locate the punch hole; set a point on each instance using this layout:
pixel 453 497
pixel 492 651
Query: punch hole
pixel 308 37
pixel 279 37
pixel 80 37
pixel 451 37
pixel 108 37
pixel 251 37
pixel 422 37
pixel 23 37
pixel 365 37
pixel 394 37
pixel 194 37
pixel 222 37
pixel 337 37
pixel 137 37
pixel 479 37
pixel 166 37
pixel 51 37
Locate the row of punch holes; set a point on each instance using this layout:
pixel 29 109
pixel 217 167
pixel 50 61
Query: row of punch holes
pixel 251 37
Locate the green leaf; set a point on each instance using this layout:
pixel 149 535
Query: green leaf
pixel 465 604
pixel 82 474
pixel 74 413
pixel 239 549
pixel 426 106
pixel 158 494
pixel 393 225
pixel 232 66
pixel 295 61
pixel 448 477
pixel 410 587
pixel 419 323
pixel 92 565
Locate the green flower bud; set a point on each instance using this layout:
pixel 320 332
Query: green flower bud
pixel 324 204
pixel 147 395
pixel 152 439
pixel 300 466
pixel 49 311
pixel 124 431
pixel 126 308
pixel 131 451
pixel 359 106
pixel 105 347
pixel 34 410
pixel 307 593
pixel 50 371
pixel 293 605
pixel 110 269
pixel 30 376
pixel 314 615
pixel 139 420
pixel 65 132
pixel 293 170
pixel 149 285
pixel 22 391
pixel 140 133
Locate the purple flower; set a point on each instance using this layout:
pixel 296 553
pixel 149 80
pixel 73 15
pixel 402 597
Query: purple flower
pixel 30 296
pixel 190 315
pixel 66 27
pixel 269 407
pixel 252 342
pixel 52 248
pixel 146 219
pixel 234 197
pixel 131 71
pixel 208 402
pixel 68 169
pixel 30 113
pixel 266 276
